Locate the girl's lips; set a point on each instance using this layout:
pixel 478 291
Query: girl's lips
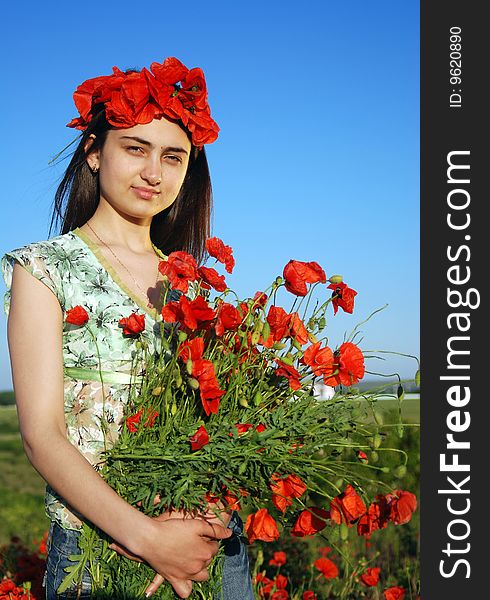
pixel 145 193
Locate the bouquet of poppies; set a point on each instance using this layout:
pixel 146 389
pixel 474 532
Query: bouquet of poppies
pixel 227 414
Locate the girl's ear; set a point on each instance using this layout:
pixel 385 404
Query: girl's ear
pixel 92 158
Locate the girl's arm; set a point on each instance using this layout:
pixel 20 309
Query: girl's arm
pixel 179 550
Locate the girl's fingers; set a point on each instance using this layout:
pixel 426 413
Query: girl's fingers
pixel 154 585
pixel 183 588
pixel 124 552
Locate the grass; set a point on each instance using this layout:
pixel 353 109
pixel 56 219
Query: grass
pixel 21 487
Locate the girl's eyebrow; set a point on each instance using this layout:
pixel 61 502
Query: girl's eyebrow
pixel 150 145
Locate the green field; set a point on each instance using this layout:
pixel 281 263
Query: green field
pixel 22 489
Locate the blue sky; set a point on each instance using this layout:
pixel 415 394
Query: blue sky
pixel 318 154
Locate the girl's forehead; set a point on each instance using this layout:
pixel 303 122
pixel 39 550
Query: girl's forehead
pixel 158 133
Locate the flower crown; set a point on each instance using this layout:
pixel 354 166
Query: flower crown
pixel 137 97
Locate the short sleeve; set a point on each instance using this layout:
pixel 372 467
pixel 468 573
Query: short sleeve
pixel 34 259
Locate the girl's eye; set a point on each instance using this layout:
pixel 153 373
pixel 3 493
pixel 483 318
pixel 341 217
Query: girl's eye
pixel 135 149
pixel 173 158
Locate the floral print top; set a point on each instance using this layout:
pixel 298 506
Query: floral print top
pixel 73 268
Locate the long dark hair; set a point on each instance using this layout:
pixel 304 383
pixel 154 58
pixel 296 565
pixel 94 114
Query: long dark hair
pixel 185 225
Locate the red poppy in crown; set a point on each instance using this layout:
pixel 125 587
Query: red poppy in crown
pixel 134 98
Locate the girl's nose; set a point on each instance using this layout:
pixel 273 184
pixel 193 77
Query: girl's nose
pixel 152 171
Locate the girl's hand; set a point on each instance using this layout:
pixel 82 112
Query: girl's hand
pixel 191 543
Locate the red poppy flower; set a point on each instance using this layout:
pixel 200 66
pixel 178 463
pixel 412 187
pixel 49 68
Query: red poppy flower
pixel 286 488
pixel 310 521
pixel 229 318
pixel 192 315
pixel 319 359
pixel 211 278
pixel 243 427
pixel 76 315
pixel 222 253
pixel 133 421
pixel 349 360
pixel 199 439
pixel 324 550
pixel 402 505
pixel 180 267
pixel 266 585
pixel 133 325
pixel 370 577
pixel 342 296
pixel 261 526
pixel 278 320
pixel 297 274
pixel 327 567
pixel 362 456
pixel 260 299
pixel 376 517
pixel 231 501
pixel 152 417
pixel 394 593
pixel 290 373
pixel 309 595
pixel 210 392
pixel 191 349
pixel 281 582
pixel 280 595
pixel 297 330
pixel 278 560
pixel 347 507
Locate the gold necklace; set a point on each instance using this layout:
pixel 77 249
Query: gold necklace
pixel 145 294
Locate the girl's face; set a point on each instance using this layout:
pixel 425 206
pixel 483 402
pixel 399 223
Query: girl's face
pixel 141 169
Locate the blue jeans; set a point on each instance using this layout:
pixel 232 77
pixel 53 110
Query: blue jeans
pixel 236 585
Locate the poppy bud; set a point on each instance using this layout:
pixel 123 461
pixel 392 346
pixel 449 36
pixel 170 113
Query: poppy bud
pixel 377 439
pixel 287 360
pixel 266 331
pixel 378 417
pixel 278 280
pixel 178 380
pixel 243 402
pixel 400 471
pixel 173 409
pixel 313 339
pixel 417 378
pixel 374 457
pixel 385 469
pixel 258 398
pixel 336 279
pixel 156 391
pixel 255 338
pixel 322 323
pixel 344 531
pixel 278 345
pixel 182 336
pixel 193 383
pixel 168 395
pixel 400 392
pixel 297 345
pixel 339 483
pixel 188 366
pixel 138 344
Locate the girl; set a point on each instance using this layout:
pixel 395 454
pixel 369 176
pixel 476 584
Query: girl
pixel 137 186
